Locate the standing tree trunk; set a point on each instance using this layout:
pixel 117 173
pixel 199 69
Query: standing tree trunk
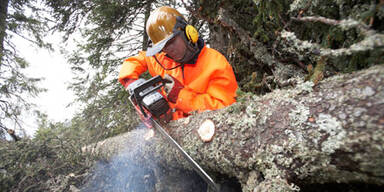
pixel 146 16
pixel 3 25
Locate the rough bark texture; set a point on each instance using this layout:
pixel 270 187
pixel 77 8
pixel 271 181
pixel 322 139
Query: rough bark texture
pixel 330 133
pixel 3 24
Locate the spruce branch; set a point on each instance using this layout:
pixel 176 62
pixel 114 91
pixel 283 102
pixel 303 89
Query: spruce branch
pixel 372 40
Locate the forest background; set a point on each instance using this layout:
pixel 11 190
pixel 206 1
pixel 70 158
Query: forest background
pixel 271 45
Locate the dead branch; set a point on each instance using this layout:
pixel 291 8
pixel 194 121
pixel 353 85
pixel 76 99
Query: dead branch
pixel 371 42
pixel 344 24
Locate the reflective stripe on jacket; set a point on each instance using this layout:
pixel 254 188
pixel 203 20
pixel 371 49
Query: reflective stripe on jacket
pixel 209 84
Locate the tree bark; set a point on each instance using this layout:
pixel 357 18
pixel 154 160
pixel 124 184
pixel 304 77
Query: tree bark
pixel 3 25
pixel 330 133
pixel 146 16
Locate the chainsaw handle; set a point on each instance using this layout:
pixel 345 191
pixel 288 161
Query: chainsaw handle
pixel 166 81
pixel 148 84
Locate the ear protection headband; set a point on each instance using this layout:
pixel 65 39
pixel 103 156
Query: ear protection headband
pixel 189 31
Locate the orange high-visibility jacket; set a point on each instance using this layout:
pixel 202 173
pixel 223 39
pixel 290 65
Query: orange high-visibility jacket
pixel 209 84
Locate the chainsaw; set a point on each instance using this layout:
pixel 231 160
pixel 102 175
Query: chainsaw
pixel 146 97
pixel 154 110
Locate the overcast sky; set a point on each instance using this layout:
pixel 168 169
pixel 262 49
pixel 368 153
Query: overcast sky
pixel 57 74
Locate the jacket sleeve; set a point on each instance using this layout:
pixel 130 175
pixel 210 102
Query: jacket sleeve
pixel 133 67
pixel 221 92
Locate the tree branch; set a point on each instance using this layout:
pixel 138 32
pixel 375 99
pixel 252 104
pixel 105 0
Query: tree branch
pixel 344 24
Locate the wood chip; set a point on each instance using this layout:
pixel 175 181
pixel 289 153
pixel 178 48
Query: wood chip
pixel 206 130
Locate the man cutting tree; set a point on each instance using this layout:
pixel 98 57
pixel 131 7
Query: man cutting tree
pixel 199 78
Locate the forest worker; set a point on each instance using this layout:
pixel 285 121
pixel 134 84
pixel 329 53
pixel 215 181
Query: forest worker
pixel 200 77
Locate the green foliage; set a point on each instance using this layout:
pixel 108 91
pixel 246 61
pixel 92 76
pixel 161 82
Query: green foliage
pixel 111 31
pixel 270 18
pixel 35 165
pixel 264 20
pixel 328 36
pixel 52 161
pixel 108 115
pixel 358 61
pixel 335 37
pixel 242 96
pixel 22 19
pixel 47 162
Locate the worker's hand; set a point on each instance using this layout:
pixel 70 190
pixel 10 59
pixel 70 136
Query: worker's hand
pixel 172 88
pixel 128 81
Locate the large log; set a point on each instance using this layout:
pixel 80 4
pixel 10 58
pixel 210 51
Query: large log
pixel 330 133
pixel 333 132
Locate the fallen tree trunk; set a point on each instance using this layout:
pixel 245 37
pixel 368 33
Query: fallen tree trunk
pixel 330 133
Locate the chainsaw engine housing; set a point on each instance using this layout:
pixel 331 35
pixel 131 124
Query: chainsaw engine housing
pixel 146 94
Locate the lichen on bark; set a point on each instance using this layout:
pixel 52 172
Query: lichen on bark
pixel 291 138
pixel 299 135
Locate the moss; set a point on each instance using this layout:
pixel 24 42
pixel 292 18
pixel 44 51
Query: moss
pixel 318 72
pixel 358 61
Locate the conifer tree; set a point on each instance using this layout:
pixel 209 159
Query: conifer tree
pixel 109 31
pixel 18 18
